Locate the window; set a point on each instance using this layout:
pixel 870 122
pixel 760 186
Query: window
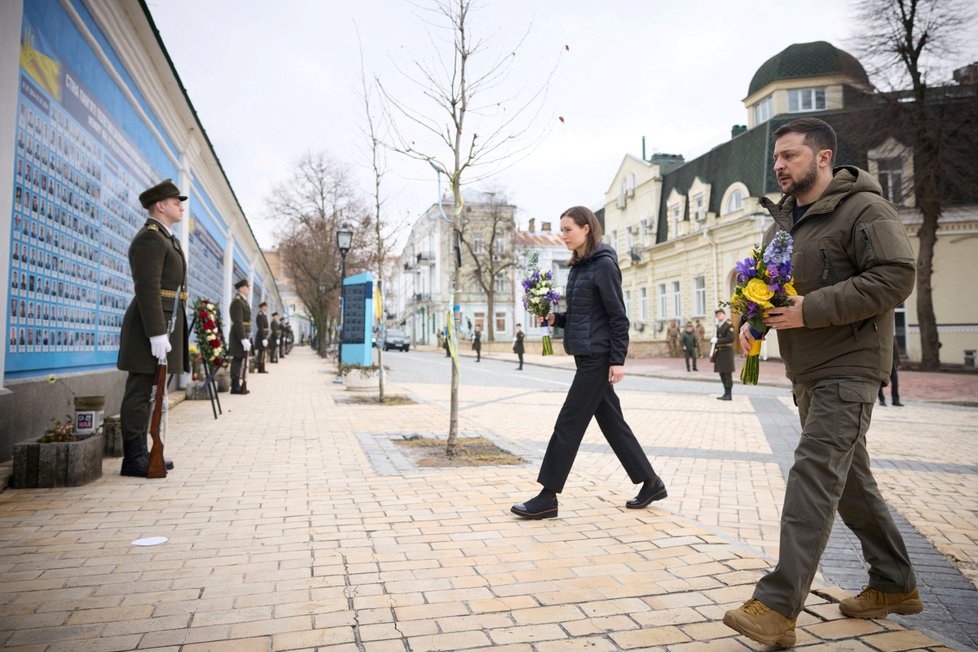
pixel 478 243
pixel 614 239
pixel 675 214
pixel 479 320
pixel 643 232
pixel 629 242
pixel 662 301
pixel 699 296
pixel 500 322
pixel 890 174
pixel 677 305
pixel 735 202
pixel 763 110
pixel 501 284
pixel 699 208
pixel 628 303
pixel 806 99
pixel 643 303
pixel 498 247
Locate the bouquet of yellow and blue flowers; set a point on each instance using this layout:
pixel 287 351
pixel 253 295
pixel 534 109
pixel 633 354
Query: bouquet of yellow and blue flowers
pixel 539 297
pixel 763 281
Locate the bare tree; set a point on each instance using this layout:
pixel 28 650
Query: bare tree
pixel 466 120
pixel 489 242
pixel 905 41
pixel 318 197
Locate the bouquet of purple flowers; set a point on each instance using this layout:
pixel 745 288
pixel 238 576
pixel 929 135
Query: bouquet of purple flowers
pixel 763 281
pixel 539 297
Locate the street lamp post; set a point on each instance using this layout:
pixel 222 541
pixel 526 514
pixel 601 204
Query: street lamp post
pixel 344 241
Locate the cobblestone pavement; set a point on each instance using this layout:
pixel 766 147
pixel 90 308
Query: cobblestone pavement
pixel 294 523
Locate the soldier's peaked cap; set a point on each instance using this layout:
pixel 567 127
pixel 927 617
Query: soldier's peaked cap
pixel 242 283
pixel 163 190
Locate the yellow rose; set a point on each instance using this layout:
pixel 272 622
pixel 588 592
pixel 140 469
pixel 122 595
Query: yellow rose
pixel 758 292
pixel 790 290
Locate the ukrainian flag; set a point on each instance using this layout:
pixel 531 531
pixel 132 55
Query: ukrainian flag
pixel 45 70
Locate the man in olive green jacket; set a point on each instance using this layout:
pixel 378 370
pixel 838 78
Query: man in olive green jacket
pixel 852 265
pixel 158 269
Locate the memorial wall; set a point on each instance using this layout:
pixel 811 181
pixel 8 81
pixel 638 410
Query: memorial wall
pixel 91 114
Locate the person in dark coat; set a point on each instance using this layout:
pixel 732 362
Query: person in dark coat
pixel 689 345
pixel 239 341
pixel 273 339
pixel 518 347
pixel 596 334
pixel 158 268
pixel 477 343
pixel 723 362
pixel 894 380
pixel 262 331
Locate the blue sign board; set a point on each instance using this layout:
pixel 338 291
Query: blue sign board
pixel 356 338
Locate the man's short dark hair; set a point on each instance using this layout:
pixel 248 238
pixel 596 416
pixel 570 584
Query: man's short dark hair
pixel 818 134
pixel 719 311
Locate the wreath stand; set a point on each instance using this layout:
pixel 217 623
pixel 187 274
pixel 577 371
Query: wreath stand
pixel 210 381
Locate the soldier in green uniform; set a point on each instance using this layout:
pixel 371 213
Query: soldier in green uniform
pixel 273 340
pixel 158 269
pixel 262 331
pixel 724 363
pixel 239 342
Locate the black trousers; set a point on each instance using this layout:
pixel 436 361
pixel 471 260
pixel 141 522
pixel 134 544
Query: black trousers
pixel 591 395
pixel 690 356
pixel 520 356
pixel 236 364
pixel 134 413
pixel 726 378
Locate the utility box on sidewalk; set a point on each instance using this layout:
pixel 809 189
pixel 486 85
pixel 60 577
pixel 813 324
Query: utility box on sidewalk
pixel 970 361
pixel 356 337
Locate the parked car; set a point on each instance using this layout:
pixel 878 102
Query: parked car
pixel 396 339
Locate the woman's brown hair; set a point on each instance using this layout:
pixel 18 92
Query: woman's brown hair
pixel 583 216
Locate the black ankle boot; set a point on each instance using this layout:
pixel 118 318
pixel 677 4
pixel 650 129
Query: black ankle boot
pixel 543 505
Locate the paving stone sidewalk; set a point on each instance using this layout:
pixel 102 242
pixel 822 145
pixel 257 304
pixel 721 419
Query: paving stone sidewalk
pixel 292 524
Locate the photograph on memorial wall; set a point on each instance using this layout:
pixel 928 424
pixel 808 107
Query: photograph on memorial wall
pixel 83 154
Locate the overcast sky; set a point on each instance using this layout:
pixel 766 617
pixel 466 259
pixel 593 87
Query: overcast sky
pixel 272 80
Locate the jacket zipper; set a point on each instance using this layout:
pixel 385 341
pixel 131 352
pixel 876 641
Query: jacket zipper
pixel 869 246
pixel 827 273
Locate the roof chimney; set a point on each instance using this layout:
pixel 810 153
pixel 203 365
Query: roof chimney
pixel 736 130
pixel 544 227
pixel 533 225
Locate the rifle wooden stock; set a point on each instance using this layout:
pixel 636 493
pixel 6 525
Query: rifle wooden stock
pixel 157 467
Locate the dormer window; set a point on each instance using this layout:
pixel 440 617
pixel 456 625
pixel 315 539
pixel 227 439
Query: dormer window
pixel 806 99
pixel 763 110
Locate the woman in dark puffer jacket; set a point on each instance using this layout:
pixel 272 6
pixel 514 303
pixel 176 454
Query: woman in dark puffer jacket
pixel 596 334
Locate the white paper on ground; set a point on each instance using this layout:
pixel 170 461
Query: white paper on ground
pixel 150 541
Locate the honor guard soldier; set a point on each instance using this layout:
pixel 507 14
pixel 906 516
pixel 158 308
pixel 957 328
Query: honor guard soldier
pixel 273 340
pixel 261 336
pixel 158 268
pixel 239 343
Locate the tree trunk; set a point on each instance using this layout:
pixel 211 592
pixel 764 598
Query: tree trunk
pixel 491 313
pixel 451 447
pixel 930 356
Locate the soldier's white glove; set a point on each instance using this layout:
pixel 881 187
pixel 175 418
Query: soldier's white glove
pixel 713 340
pixel 264 344
pixel 246 345
pixel 160 346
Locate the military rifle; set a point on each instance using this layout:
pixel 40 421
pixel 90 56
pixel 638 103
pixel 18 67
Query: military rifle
pixel 157 465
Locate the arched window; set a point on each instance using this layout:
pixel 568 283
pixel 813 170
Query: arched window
pixel 734 198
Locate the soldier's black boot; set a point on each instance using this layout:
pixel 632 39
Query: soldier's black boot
pixel 235 386
pixel 135 457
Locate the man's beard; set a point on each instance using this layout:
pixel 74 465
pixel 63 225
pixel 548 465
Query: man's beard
pixel 804 184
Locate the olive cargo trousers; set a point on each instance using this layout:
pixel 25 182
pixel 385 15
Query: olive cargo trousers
pixel 832 473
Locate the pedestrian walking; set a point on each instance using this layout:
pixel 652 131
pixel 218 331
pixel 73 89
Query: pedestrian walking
pixel 239 342
pixel 723 357
pixel 689 345
pixel 596 334
pixel 158 268
pixel 477 343
pixel 852 265
pixel 518 347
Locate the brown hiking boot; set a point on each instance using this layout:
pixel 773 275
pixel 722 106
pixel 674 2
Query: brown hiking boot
pixel 873 603
pixel 757 621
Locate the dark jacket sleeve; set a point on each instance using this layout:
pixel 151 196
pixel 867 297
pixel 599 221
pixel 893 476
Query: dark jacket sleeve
pixel 607 284
pixel 886 274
